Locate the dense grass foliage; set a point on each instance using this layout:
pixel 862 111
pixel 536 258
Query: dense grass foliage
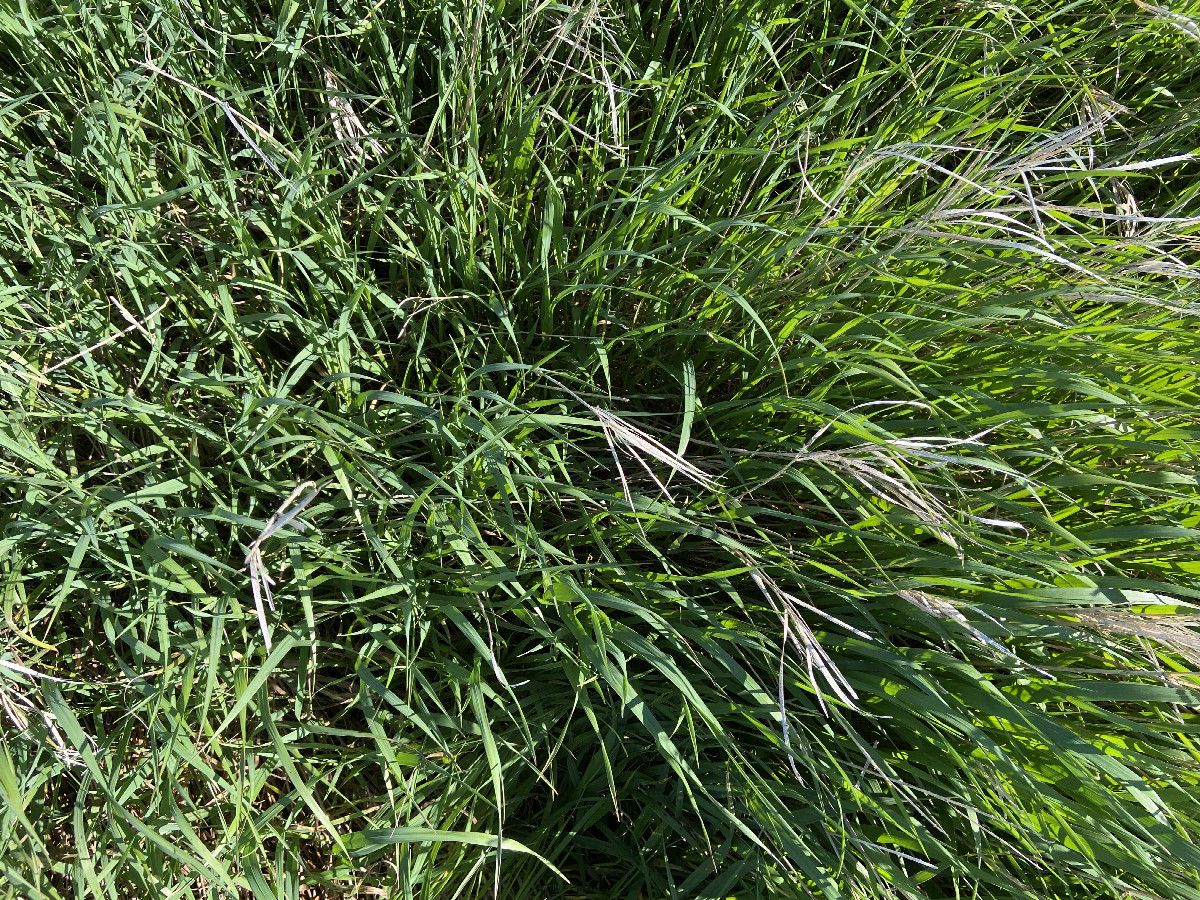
pixel 749 449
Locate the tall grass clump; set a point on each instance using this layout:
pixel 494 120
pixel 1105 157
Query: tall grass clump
pixel 612 449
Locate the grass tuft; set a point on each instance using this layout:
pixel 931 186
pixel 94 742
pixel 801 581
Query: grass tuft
pixel 750 449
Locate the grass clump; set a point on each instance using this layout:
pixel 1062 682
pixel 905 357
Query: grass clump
pixel 726 449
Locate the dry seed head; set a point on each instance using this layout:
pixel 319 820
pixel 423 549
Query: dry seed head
pixel 1173 632
pixel 348 127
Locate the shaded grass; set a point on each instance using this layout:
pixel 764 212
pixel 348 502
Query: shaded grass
pixel 756 448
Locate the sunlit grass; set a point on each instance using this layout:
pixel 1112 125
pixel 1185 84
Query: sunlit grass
pixel 622 450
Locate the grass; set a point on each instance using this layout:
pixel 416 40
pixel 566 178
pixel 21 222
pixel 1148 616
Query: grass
pixel 716 448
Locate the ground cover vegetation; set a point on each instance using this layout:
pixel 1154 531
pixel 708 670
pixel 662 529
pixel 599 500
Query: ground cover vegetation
pixel 629 449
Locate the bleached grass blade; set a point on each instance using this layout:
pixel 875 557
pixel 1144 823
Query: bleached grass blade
pixel 260 582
